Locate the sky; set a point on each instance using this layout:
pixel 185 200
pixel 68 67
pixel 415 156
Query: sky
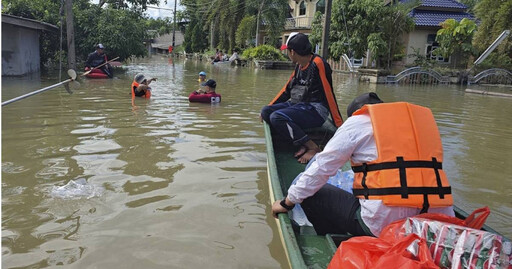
pixel 165 10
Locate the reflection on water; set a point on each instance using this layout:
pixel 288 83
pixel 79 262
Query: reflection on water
pixel 184 185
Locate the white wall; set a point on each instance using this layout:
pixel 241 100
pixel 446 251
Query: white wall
pixel 20 50
pixel 417 39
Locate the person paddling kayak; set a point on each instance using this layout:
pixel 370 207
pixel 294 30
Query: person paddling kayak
pixel 97 58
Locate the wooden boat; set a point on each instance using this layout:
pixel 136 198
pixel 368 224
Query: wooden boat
pixel 304 249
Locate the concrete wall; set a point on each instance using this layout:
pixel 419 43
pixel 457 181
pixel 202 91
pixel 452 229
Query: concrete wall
pixel 20 50
pixel 417 39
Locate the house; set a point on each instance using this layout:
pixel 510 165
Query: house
pixel 427 17
pixel 300 18
pixel 20 44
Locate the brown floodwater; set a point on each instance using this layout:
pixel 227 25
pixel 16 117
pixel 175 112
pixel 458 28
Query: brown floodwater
pixel 170 184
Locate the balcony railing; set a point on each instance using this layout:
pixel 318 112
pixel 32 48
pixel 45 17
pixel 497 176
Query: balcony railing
pixel 298 23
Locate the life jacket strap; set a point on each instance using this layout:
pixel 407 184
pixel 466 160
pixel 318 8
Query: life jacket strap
pixel 401 165
pixel 398 190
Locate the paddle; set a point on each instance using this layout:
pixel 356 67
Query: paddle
pixel 72 77
pixel 86 73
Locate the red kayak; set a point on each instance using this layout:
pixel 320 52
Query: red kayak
pixel 204 98
pixel 96 73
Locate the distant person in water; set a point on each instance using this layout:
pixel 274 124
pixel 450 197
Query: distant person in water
pixel 207 87
pixel 97 58
pixel 306 101
pixel 140 86
pixel 202 77
pixel 234 56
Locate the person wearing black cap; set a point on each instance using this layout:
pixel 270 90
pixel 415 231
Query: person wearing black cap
pixel 208 87
pixel 396 155
pixel 306 101
pixel 96 58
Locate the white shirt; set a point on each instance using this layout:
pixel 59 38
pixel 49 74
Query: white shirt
pixel 353 140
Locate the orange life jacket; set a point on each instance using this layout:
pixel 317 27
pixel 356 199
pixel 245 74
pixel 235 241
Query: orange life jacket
pixel 329 93
pixel 408 171
pixel 147 93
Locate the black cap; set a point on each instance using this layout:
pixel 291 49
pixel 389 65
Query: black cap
pixel 210 83
pixel 361 100
pixel 298 42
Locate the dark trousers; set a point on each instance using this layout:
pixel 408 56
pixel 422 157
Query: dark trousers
pixel 290 120
pixel 333 210
pixel 107 69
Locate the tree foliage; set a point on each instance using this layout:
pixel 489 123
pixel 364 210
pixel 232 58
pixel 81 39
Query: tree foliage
pixel 316 29
pixel 122 31
pixel 454 39
pixel 222 19
pixel 359 25
pixel 246 31
pixel 263 52
pixel 495 16
pixel 102 25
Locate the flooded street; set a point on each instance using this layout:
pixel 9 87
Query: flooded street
pixel 181 185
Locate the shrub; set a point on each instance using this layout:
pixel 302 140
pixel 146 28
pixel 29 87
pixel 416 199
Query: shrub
pixel 263 52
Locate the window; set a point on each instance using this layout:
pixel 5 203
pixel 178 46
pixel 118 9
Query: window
pixel 430 55
pixel 320 6
pixel 431 38
pixel 302 8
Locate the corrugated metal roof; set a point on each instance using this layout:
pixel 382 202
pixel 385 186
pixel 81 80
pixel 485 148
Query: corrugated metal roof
pixel 433 18
pixel 440 3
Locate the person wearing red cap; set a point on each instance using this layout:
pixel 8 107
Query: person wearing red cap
pixel 307 99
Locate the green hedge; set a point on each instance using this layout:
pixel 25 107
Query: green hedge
pixel 263 52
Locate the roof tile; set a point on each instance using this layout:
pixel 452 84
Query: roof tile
pixel 434 18
pixel 440 3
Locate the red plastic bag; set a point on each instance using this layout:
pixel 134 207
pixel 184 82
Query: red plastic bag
pixel 366 252
pixel 400 256
pixel 392 232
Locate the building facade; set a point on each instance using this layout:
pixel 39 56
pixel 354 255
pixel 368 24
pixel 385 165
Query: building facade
pixel 427 17
pixel 20 45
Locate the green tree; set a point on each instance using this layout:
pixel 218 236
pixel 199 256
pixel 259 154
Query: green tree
pixel 246 31
pixel 222 19
pixel 316 29
pixel 454 39
pixel 122 31
pixel 273 19
pixel 369 24
pixel 495 16
pixel 470 4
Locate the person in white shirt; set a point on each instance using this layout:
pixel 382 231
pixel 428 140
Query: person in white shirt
pixel 234 56
pixel 333 210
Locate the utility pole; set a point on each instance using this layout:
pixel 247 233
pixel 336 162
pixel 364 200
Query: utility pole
pixel 174 26
pixel 327 27
pixel 70 32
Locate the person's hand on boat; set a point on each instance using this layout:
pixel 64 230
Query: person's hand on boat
pixel 281 206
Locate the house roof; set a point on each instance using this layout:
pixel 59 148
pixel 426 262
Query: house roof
pixel 440 3
pixel 28 23
pixel 434 18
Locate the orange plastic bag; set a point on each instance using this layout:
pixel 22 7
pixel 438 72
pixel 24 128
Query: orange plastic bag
pixel 366 252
